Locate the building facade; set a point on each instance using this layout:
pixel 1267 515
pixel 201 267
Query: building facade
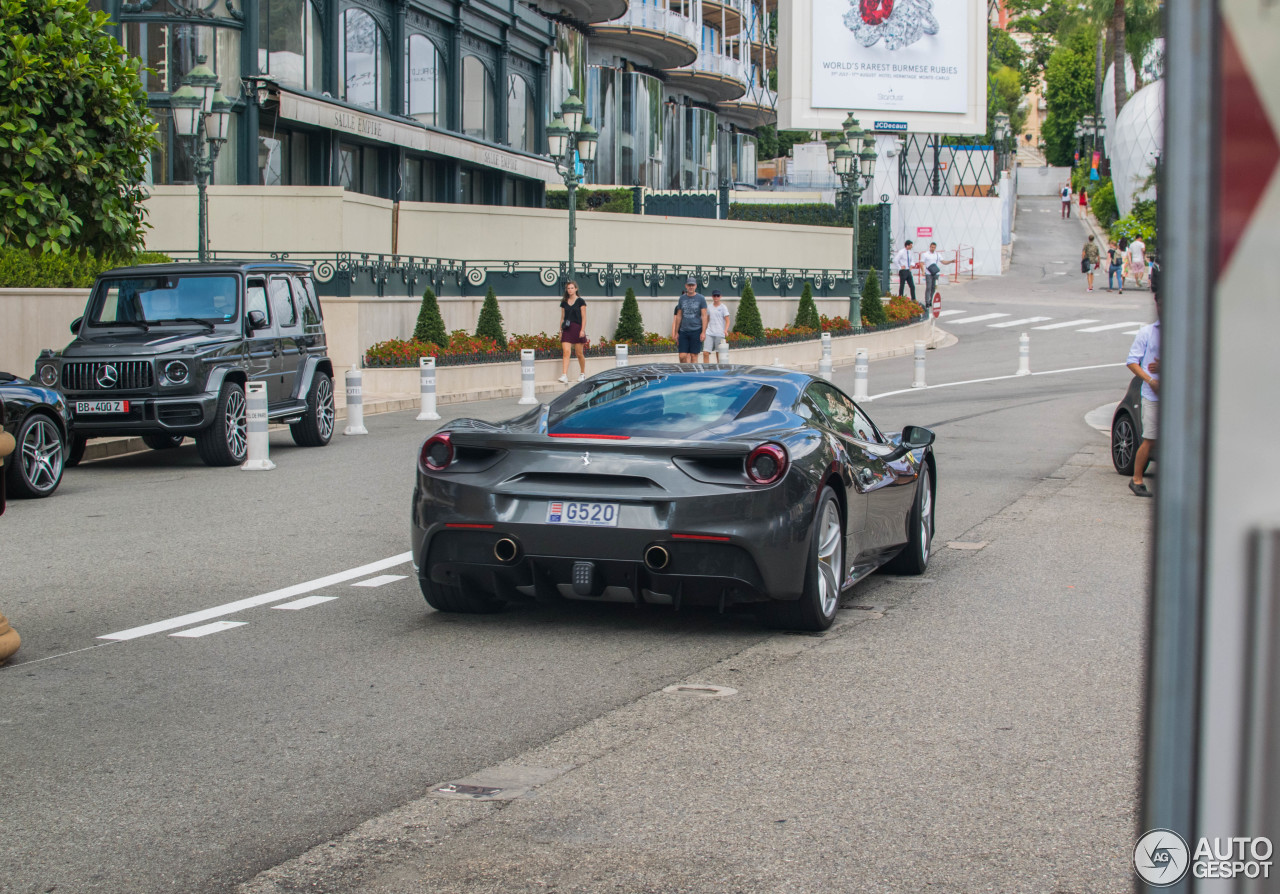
pixel 448 100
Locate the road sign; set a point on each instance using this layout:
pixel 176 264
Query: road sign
pixel 924 232
pixel 937 305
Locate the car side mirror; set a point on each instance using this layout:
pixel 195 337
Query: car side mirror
pixel 75 325
pixel 913 437
pixel 257 320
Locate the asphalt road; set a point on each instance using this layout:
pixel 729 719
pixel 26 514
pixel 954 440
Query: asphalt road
pixel 172 764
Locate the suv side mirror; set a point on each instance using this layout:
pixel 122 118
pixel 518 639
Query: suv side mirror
pixel 913 437
pixel 257 320
pixel 75 325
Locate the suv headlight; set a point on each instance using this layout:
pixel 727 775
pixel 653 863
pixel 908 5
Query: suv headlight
pixel 48 375
pixel 176 372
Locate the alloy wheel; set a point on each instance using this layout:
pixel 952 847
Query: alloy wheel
pixel 926 514
pixel 42 455
pixel 829 558
pixel 1122 438
pixel 237 435
pixel 324 408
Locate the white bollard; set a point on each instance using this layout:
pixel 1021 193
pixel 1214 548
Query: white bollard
pixel 620 355
pixel 526 377
pixel 255 424
pixel 824 365
pixel 722 353
pixel 355 403
pixel 1024 355
pixel 919 382
pixel 860 374
pixel 427 379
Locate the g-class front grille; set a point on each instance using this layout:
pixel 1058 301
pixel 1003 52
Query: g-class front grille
pixel 110 375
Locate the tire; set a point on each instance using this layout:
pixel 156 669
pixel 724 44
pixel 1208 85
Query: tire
pixel 161 441
pixel 75 451
pixel 35 468
pixel 1124 443
pixel 315 428
pixel 465 598
pixel 815 610
pixel 914 558
pixel 226 441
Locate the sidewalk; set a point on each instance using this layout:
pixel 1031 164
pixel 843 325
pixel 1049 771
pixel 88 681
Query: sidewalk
pixel 969 730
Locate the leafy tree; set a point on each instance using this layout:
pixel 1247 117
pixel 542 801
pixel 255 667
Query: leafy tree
pixel 74 131
pixel 773 143
pixel 430 327
pixel 807 312
pixel 872 309
pixel 490 323
pixel 630 323
pixel 749 322
pixel 1069 82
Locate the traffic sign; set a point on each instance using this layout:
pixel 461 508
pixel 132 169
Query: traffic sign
pixel 937 305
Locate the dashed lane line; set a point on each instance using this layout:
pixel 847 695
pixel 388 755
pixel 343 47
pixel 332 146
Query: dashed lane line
pixel 1008 323
pixel 1066 324
pixel 229 608
pixel 1110 326
pixel 947 313
pixel 979 318
pixel 215 627
pixel 380 580
pixel 305 602
pixel 1047 372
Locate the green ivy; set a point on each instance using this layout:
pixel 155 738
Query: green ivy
pixel 23 269
pixel 75 132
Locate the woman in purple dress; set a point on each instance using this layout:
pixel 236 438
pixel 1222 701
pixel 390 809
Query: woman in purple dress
pixel 573 323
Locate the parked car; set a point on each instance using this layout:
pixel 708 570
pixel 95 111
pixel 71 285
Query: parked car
pixel 674 484
pixel 165 351
pixel 36 417
pixel 1126 429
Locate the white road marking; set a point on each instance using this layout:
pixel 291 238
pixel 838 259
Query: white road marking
pixel 1111 326
pixel 1065 325
pixel 305 602
pixel 1008 323
pixel 979 318
pixel 1132 332
pixel 263 599
pixel 379 580
pixel 1047 372
pixel 215 627
pixel 944 313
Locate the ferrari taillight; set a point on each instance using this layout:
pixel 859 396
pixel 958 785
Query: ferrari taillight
pixel 766 464
pixel 437 452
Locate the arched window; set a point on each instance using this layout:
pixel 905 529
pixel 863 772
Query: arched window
pixel 425 93
pixel 289 42
pixel 479 117
pixel 366 61
pixel 521 126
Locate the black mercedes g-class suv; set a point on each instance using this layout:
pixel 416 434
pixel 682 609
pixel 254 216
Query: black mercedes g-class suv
pixel 165 351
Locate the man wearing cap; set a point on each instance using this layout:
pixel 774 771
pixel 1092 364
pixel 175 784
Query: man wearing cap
pixel 689 325
pixel 717 326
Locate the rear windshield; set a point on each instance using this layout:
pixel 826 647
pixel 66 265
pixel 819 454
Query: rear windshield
pixel 157 299
pixel 656 405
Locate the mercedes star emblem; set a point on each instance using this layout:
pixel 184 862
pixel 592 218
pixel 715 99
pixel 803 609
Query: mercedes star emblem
pixel 107 376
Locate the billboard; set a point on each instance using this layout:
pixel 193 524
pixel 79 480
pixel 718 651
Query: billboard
pixel 898 65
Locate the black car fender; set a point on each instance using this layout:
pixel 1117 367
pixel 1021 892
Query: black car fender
pixel 303 387
pixel 220 374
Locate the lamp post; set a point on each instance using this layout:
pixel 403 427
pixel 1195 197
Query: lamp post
pixel 570 140
pixel 854 162
pixel 202 117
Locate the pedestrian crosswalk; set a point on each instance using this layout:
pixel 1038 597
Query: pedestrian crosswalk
pixel 994 320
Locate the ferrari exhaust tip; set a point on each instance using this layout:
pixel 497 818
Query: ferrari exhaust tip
pixel 506 550
pixel 656 557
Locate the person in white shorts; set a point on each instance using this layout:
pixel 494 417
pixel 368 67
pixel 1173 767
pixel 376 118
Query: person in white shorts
pixel 717 326
pixel 1138 260
pixel 1144 361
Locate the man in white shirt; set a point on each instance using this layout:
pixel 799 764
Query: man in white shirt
pixel 904 260
pixel 931 263
pixel 1066 202
pixel 717 327
pixel 1138 259
pixel 1144 361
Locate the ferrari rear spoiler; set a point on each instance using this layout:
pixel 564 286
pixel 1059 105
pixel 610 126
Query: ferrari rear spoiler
pixel 599 443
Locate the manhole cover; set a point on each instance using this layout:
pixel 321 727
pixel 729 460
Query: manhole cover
pixel 703 690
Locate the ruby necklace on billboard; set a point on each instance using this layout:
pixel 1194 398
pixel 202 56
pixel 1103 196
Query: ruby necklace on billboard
pixel 899 23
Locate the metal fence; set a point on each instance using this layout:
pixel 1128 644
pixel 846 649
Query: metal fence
pixel 929 166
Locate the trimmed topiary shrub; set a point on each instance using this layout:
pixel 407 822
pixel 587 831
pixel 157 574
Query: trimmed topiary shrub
pixel 490 323
pixel 807 312
pixel 430 326
pixel 630 323
pixel 749 322
pixel 872 308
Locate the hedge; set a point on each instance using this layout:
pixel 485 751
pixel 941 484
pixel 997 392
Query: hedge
pixel 811 215
pixel 20 269
pixel 616 201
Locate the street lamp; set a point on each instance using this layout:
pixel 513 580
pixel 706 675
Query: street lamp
pixel 570 139
pixel 854 162
pixel 202 117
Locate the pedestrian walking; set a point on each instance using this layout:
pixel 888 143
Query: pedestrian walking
pixel 1090 260
pixel 1115 266
pixel 573 322
pixel 1084 204
pixel 1144 361
pixel 1066 201
pixel 717 326
pixel 904 260
pixel 689 324
pixel 931 262
pixel 1138 260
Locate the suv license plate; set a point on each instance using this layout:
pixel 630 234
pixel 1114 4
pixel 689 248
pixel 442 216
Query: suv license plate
pixel 102 406
pixel 602 515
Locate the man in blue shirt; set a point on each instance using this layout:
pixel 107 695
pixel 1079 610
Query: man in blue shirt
pixel 689 325
pixel 1144 362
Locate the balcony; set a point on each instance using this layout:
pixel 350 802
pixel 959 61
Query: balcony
pixel 589 11
pixel 758 106
pixel 724 14
pixel 717 77
pixel 662 37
